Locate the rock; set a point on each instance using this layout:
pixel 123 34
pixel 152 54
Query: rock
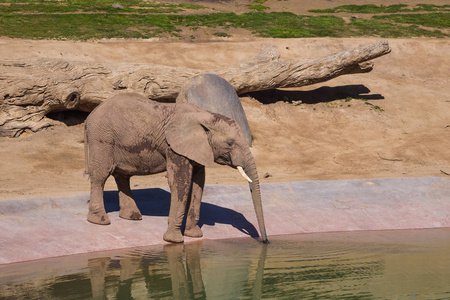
pixel 267 175
pixel 217 95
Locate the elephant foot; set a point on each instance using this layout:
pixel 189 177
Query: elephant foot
pixel 98 218
pixel 173 236
pixel 194 232
pixel 130 214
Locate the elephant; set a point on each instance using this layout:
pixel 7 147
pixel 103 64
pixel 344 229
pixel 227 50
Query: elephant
pixel 129 135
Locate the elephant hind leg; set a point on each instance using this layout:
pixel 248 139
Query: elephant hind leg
pixel 97 213
pixel 128 208
pixel 100 166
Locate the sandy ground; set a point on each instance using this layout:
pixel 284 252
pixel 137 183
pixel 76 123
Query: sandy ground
pixel 316 140
pixel 323 138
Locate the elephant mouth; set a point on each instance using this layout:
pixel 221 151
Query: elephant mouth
pixel 224 159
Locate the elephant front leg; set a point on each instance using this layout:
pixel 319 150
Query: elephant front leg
pixel 128 208
pixel 179 174
pixel 193 215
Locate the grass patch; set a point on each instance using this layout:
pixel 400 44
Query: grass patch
pixel 84 26
pixel 289 25
pixel 431 7
pixel 257 7
pixel 375 27
pixel 367 9
pixel 372 106
pixel 382 9
pixel 83 19
pixel 221 34
pixel 366 102
pixel 437 20
pixel 106 6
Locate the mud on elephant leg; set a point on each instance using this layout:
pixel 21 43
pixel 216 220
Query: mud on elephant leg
pixel 179 174
pixel 193 214
pixel 128 208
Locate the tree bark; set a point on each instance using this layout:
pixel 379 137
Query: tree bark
pixel 29 90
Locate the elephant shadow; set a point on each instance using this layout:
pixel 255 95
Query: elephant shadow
pixel 156 202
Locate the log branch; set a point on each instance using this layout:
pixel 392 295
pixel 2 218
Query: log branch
pixel 267 71
pixel 30 90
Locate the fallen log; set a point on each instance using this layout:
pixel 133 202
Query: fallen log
pixel 30 90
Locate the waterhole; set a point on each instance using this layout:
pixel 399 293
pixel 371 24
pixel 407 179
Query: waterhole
pixel 412 264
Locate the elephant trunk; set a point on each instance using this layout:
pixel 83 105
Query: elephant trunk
pixel 250 169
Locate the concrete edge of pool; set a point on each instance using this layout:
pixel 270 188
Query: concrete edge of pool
pixel 43 227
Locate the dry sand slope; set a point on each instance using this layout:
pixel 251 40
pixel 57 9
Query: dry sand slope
pixel 323 140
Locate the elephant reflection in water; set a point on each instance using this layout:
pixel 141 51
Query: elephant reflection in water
pixel 98 268
pixel 185 285
pixel 180 278
pixel 97 271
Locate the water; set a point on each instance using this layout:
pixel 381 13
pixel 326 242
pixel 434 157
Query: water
pixel 412 264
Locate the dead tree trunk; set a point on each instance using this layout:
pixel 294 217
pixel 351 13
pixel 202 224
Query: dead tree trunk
pixel 29 90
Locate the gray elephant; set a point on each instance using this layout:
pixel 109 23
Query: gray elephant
pixel 130 135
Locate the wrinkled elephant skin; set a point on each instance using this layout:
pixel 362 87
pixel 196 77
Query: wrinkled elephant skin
pixel 130 135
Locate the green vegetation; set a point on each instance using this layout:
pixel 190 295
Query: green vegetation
pixel 221 34
pixel 375 27
pixel 367 8
pixel 436 20
pixel 366 102
pixel 80 6
pixel 86 19
pixel 258 7
pixel 289 25
pixel 374 107
pixel 84 26
pixel 374 9
pixel 341 103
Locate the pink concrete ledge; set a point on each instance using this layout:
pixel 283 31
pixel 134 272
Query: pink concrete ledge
pixel 36 228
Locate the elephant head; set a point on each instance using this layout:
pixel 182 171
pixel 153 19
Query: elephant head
pixel 207 138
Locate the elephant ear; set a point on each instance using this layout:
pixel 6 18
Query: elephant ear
pixel 187 137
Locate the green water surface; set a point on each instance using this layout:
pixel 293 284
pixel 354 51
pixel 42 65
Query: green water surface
pixel 413 264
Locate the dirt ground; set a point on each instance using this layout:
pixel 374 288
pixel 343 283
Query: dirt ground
pixel 322 138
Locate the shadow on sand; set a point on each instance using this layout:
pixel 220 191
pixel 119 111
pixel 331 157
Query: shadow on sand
pixel 322 94
pixel 156 202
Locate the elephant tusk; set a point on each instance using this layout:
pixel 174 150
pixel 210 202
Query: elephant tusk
pixel 241 170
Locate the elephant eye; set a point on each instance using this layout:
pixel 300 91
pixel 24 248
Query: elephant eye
pixel 230 142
